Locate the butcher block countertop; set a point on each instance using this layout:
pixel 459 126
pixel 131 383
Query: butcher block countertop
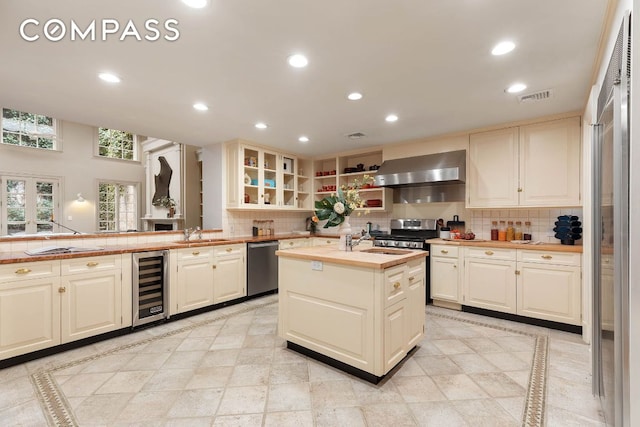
pixel 11 257
pixel 509 245
pixel 375 258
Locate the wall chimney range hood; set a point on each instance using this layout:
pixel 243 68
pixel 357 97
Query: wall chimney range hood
pixel 431 169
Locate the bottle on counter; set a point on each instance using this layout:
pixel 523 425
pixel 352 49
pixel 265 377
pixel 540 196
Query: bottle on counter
pixel 518 230
pixel 502 232
pixel 527 230
pixel 511 233
pixel 494 230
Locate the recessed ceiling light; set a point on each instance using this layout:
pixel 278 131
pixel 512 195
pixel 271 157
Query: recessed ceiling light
pixel 303 139
pixel 503 47
pixel 354 96
pixel 196 4
pixel 200 106
pixel 261 125
pixel 298 60
pixel 391 118
pixel 516 87
pixel 109 77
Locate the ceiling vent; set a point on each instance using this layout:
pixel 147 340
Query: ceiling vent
pixel 355 135
pixel 537 96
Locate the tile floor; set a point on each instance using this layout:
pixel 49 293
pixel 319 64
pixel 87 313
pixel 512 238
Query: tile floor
pixel 228 368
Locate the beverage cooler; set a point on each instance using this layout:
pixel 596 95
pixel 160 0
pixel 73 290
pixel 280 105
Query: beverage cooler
pixel 150 287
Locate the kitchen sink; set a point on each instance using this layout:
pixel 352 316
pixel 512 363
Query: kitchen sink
pixel 387 251
pixel 188 242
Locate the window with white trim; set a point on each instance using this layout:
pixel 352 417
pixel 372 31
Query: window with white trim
pixel 117 144
pixel 29 204
pixel 29 130
pixel 117 206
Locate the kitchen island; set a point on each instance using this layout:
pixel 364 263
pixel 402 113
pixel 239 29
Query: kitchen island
pixel 360 311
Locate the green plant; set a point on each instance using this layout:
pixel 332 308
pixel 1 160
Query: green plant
pixel 165 202
pixel 336 207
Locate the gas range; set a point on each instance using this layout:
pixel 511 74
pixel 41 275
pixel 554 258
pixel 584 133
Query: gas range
pixel 408 233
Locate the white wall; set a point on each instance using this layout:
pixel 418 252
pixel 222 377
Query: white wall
pixel 79 170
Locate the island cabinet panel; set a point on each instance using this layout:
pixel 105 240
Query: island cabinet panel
pixel 416 301
pixel 29 316
pixel 395 338
pixel 329 311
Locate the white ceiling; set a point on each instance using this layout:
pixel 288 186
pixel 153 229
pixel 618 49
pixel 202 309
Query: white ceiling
pixel 429 62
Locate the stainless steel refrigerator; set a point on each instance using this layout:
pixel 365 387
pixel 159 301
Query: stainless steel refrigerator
pixel 610 154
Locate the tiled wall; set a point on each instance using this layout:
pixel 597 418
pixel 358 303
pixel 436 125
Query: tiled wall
pixel 542 221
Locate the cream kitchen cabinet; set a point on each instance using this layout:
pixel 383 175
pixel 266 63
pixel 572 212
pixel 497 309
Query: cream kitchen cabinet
pixel 416 300
pixel 294 243
pixel 29 307
pixel 490 279
pixel 548 286
pixel 260 178
pixel 529 166
pixel 195 278
pixel 91 290
pixel 229 273
pixel 324 241
pixel 446 274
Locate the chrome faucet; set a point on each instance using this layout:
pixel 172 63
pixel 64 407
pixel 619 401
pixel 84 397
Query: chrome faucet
pixel 351 243
pixel 188 232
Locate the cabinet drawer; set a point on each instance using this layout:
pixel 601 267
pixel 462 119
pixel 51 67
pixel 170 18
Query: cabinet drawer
pixel 293 243
pixel 395 284
pixel 84 265
pixel 491 253
pixel 549 257
pixel 194 253
pixel 321 241
pixel 447 251
pixel 220 251
pixel 29 270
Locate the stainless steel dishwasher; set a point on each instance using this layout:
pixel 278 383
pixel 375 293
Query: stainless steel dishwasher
pixel 262 267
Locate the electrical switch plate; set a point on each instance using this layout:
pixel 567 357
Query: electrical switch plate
pixel 69 218
pixel 316 265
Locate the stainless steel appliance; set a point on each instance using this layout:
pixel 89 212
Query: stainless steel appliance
pixel 610 246
pixel 411 233
pixel 262 267
pixel 150 287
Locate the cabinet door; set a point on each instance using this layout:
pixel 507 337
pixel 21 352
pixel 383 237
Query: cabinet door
pixel 550 292
pixel 493 168
pixel 29 316
pixel 550 163
pixel 229 278
pixel 445 279
pixel 490 284
pixel 195 284
pixel 395 334
pixel 91 304
pixel 416 301
pixel 288 191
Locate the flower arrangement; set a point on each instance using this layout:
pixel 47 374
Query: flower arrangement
pixel 336 207
pixel 165 202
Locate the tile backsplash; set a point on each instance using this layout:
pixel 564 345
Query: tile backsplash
pixel 542 221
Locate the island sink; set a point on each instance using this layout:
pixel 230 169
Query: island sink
pixel 386 251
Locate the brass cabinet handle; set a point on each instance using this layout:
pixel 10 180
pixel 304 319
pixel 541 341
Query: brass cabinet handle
pixel 195 253
pixel 23 271
pixel 62 290
pixel 290 243
pixel 455 266
pixel 546 256
pixel 411 279
pixel 228 249
pixel 488 252
pixel 519 190
pixel 444 251
pixel 517 272
pixel 396 285
pixel 329 241
pixel 92 264
pixel 213 266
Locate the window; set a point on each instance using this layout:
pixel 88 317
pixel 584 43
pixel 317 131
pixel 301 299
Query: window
pixel 28 205
pixel 28 129
pixel 117 144
pixel 117 206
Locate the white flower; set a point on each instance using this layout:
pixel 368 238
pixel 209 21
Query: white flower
pixel 338 208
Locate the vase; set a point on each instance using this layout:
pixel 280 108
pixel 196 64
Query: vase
pixel 344 229
pixel 171 213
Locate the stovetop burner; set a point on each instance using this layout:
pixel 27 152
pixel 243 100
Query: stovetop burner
pixel 408 233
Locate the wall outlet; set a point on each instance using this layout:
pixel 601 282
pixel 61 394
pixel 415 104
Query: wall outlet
pixel 316 265
pixel 69 218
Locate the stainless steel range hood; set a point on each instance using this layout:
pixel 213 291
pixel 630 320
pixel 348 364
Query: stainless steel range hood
pixel 432 169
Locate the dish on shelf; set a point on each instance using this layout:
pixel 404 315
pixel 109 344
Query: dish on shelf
pixel 521 242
